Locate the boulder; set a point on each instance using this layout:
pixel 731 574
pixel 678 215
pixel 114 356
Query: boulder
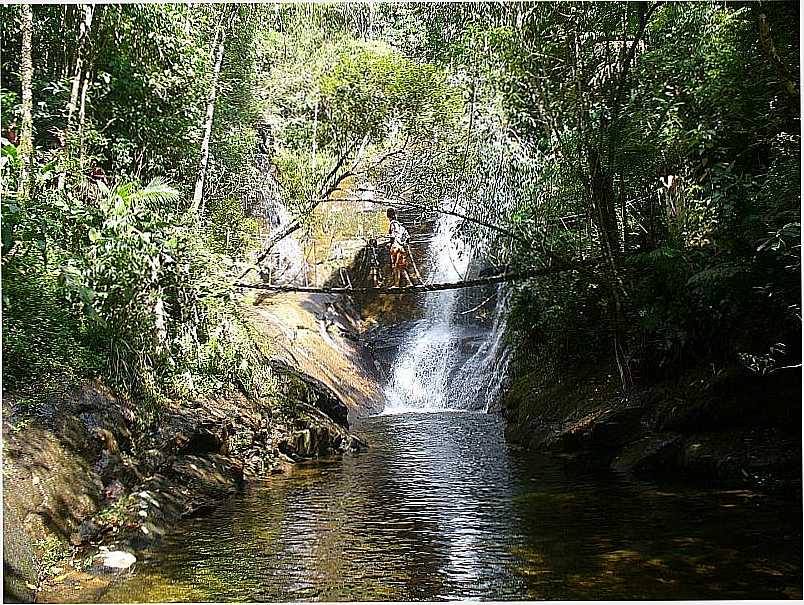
pixel 87 530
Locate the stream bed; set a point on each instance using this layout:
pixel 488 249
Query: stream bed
pixel 440 507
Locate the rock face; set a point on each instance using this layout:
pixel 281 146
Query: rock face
pixel 63 469
pixel 734 430
pixel 19 564
pixel 50 484
pixel 317 336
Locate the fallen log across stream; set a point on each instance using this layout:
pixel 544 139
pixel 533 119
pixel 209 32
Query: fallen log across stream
pixel 469 283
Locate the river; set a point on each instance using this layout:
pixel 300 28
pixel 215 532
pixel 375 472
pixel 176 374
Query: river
pixel 440 507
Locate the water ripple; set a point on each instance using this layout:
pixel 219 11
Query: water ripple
pixel 440 508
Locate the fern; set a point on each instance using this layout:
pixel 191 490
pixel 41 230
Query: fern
pixel 715 276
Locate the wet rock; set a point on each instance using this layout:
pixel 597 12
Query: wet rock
pixel 618 427
pixel 205 481
pixel 308 388
pixel 113 491
pixel 108 440
pixel 607 427
pixel 355 444
pixel 338 362
pixel 78 457
pixel 314 441
pixel 761 458
pixel 48 483
pixel 203 442
pixel 321 436
pixel 86 532
pixel 60 472
pixel 289 457
pixel 153 459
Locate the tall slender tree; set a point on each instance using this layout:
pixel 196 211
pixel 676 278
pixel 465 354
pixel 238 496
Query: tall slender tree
pixel 218 48
pixel 26 77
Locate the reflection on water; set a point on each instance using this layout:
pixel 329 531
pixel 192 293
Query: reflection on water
pixel 441 508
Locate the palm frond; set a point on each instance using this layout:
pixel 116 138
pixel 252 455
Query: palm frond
pixel 158 190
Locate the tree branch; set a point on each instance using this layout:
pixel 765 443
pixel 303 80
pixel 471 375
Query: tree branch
pixel 469 283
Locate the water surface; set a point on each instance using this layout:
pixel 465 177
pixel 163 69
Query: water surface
pixel 441 508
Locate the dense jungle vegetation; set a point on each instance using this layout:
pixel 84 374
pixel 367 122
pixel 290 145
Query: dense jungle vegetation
pixel 650 150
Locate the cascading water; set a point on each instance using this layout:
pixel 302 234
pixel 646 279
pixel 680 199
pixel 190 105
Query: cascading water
pixel 480 378
pixel 286 261
pixel 431 371
pixel 285 264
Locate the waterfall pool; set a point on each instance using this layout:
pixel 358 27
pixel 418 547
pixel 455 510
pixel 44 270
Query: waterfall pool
pixel 440 507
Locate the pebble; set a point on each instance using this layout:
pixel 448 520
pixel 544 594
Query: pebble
pixel 117 560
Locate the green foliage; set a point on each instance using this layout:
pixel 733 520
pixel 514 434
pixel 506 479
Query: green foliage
pixel 8 104
pixel 154 293
pixel 43 339
pixel 119 280
pixel 148 302
pixel 564 325
pixel 709 270
pixel 370 92
pixel 503 108
pixel 328 93
pixel 51 550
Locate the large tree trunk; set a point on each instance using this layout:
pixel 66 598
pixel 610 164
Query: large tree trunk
pixel 220 39
pixel 26 129
pixel 786 77
pixel 603 204
pixel 78 74
pixel 500 278
pixel 315 135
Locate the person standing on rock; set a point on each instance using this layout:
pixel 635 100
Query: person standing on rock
pixel 399 237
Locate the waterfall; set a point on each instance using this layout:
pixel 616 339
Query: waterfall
pixel 432 371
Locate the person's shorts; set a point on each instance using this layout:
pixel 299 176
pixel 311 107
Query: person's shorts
pixel 399 260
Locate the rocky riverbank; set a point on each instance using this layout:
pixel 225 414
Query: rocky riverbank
pixel 723 426
pixel 87 484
